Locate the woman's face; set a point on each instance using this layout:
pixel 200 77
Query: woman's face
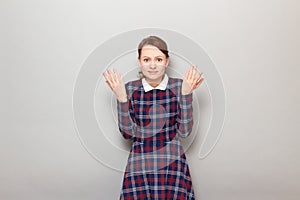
pixel 153 63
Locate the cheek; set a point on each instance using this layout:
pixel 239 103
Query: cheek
pixel 162 71
pixel 141 63
pixel 143 69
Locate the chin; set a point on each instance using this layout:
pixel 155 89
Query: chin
pixel 153 77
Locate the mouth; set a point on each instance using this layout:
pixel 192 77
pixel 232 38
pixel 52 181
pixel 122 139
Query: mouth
pixel 152 72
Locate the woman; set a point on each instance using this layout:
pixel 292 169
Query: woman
pixel 154 112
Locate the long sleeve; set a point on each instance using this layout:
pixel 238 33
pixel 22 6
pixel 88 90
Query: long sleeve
pixel 126 123
pixel 184 119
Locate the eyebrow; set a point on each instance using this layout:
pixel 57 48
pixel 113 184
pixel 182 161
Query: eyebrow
pixel 149 57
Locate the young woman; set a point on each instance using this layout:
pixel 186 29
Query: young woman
pixel 154 112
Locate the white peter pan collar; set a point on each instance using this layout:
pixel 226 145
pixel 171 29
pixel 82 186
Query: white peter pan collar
pixel 161 86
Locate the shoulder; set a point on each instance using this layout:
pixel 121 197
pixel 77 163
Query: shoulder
pixel 174 85
pixel 132 86
pixel 175 82
pixel 134 83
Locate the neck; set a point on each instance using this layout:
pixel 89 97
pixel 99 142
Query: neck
pixel 155 83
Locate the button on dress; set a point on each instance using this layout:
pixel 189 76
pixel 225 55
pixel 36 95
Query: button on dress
pixel 155 121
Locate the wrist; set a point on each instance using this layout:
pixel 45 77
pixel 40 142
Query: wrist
pixel 122 98
pixel 185 92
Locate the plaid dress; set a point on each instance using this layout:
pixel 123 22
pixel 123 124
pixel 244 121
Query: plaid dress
pixel 157 167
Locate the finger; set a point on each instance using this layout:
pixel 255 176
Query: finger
pixel 199 76
pixel 195 81
pixel 107 79
pixel 199 83
pixel 116 75
pixel 187 74
pixel 121 78
pixel 194 72
pixel 109 85
pixel 194 77
pixel 190 72
pixel 105 76
pixel 111 76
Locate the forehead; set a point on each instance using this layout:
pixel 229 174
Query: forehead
pixel 149 50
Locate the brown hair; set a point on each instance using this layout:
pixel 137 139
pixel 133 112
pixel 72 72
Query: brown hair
pixel 154 41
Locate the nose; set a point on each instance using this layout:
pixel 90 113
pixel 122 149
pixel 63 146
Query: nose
pixel 152 62
pixel 152 65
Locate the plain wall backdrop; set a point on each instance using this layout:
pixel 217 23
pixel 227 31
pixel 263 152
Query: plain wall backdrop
pixel 254 44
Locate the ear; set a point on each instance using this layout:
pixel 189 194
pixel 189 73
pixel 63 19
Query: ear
pixel 167 62
pixel 139 61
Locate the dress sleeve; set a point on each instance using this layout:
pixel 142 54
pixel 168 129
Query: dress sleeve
pixel 126 121
pixel 184 121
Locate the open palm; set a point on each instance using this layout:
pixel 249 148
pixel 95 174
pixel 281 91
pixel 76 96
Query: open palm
pixel 116 84
pixel 191 81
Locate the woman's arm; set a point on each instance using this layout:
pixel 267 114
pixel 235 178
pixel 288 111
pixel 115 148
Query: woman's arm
pixel 190 82
pixel 125 113
pixel 126 121
pixel 184 121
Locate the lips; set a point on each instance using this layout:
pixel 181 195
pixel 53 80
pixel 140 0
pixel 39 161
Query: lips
pixel 152 72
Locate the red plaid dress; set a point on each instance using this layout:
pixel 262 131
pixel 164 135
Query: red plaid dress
pixel 157 167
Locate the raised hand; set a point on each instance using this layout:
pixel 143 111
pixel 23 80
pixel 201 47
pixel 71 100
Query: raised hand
pixel 191 81
pixel 116 84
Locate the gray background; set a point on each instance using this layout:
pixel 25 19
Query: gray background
pixel 255 45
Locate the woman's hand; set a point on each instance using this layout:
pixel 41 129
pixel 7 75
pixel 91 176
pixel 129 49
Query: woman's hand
pixel 191 81
pixel 116 84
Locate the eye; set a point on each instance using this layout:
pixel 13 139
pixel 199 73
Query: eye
pixel 159 59
pixel 146 60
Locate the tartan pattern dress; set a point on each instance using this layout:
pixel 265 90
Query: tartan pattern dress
pixel 154 120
